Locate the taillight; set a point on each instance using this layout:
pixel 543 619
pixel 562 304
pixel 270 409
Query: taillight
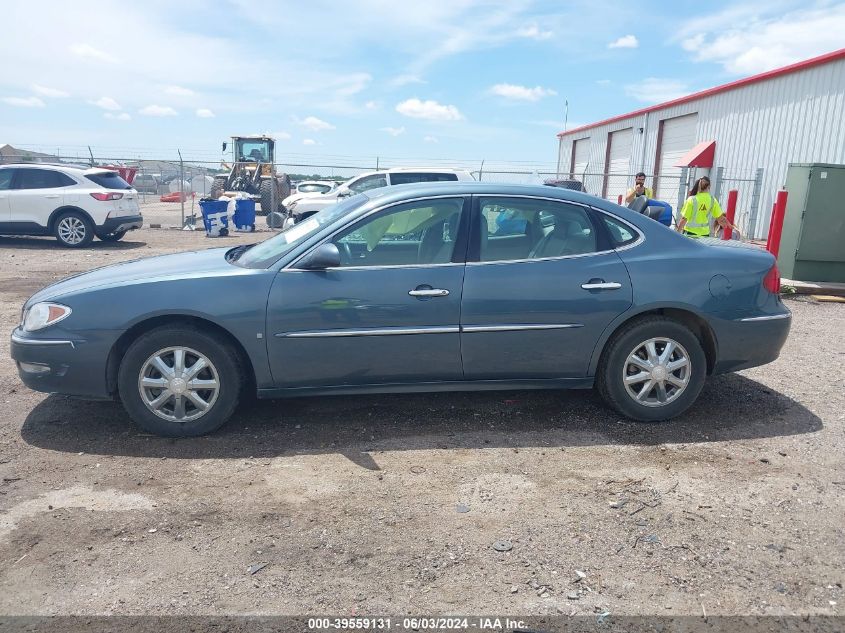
pixel 771 281
pixel 102 197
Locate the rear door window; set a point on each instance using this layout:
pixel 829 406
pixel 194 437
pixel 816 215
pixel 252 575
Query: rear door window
pixel 42 179
pixel 369 182
pixel 109 180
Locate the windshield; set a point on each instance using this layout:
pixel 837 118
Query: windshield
pixel 311 187
pixel 252 150
pixel 265 253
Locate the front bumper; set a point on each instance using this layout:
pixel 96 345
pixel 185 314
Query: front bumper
pixel 121 223
pixel 750 341
pixel 67 365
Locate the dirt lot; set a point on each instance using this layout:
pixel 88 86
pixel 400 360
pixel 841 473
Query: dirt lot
pixel 392 504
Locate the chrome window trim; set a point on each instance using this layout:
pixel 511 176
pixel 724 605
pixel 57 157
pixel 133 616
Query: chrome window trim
pixel 370 332
pixel 17 338
pixel 518 327
pixel 328 238
pixel 768 317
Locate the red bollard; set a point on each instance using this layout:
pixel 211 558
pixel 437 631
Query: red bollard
pixel 771 219
pixel 619 201
pixel 776 227
pixel 730 213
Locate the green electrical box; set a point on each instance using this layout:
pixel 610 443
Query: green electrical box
pixel 812 246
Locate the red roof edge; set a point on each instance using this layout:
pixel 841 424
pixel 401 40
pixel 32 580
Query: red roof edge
pixel 777 72
pixel 701 155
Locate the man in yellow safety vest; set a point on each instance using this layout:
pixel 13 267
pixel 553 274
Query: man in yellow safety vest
pixel 698 209
pixel 639 189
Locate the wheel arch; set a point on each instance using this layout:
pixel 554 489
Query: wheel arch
pixel 121 345
pixel 688 317
pixel 51 222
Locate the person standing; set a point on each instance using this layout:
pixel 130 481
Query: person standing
pixel 639 189
pixel 698 209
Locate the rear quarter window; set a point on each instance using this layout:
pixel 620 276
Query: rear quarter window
pixel 109 180
pixel 620 233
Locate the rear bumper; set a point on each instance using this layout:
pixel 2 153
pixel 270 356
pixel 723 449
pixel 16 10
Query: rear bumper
pixel 750 341
pixel 68 365
pixel 121 223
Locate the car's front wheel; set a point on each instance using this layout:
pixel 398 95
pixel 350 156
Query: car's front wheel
pixel 653 369
pixel 73 229
pixel 177 381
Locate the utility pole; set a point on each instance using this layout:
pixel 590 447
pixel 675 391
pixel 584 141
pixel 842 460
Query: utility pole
pixel 181 185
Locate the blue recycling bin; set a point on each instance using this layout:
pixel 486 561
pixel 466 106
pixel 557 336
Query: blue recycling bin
pixel 244 218
pixel 215 217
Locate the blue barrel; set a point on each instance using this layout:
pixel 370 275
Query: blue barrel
pixel 244 218
pixel 215 217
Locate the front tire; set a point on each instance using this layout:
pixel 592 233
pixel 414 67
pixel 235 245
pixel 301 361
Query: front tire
pixel 177 381
pixel 652 369
pixel 73 230
pixel 218 186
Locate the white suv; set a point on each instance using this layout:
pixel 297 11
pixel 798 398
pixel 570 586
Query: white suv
pixel 301 207
pixel 71 203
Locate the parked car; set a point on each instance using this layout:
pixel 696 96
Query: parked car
pixel 300 208
pixel 71 203
pixel 147 183
pixel 412 288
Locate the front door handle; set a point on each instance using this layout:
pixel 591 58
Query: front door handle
pixel 52 196
pixel 429 292
pixel 601 285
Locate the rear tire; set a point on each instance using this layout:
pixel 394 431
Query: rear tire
pixel 266 190
pixel 112 237
pixel 73 230
pixel 192 399
pixel 652 369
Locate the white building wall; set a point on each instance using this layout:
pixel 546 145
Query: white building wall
pixel 794 118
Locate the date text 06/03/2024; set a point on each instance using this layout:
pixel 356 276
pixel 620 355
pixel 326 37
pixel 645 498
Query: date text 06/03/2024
pixel 413 624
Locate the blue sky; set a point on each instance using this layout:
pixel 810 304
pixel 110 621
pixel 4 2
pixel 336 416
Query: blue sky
pixel 456 79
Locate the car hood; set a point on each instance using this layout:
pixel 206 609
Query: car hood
pixel 178 265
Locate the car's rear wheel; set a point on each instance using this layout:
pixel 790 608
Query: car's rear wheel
pixel 653 369
pixel 73 229
pixel 179 382
pixel 112 237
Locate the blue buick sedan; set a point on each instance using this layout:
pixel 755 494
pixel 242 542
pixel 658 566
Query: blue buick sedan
pixel 433 287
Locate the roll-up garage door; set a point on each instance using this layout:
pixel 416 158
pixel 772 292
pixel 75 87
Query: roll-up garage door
pixel 580 157
pixel 677 139
pixel 618 163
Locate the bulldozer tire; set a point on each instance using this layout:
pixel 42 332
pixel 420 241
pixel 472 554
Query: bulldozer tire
pixel 284 188
pixel 218 186
pixel 267 196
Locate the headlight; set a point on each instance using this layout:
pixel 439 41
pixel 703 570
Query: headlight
pixel 42 315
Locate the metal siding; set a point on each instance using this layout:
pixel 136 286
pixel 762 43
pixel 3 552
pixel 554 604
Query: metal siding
pixel 794 118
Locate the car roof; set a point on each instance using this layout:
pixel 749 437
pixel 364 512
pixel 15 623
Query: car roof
pixel 76 169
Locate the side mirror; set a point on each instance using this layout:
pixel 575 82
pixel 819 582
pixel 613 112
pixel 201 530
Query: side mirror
pixel 225 145
pixel 344 193
pixel 325 256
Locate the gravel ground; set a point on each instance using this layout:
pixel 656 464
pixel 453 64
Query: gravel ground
pixel 395 504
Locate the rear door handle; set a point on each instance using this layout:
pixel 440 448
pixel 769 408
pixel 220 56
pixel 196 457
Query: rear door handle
pixel 602 285
pixel 429 292
pixel 52 196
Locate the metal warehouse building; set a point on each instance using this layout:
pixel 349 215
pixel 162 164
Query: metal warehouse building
pixel 743 135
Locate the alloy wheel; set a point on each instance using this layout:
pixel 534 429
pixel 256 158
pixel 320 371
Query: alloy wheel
pixel 656 372
pixel 72 230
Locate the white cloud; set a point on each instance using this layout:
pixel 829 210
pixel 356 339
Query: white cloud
pixel 316 125
pixel 404 80
pixel 179 91
pixel 521 93
pixel 157 110
pixel 626 41
pixel 428 109
pixel 86 51
pixel 44 91
pixel 767 39
pixel 106 103
pixel 654 90
pixel 205 113
pixel 348 85
pixel 123 116
pixel 393 131
pixel 533 32
pixel 24 102
pixel 309 141
pixel 430 139
pixel 372 105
